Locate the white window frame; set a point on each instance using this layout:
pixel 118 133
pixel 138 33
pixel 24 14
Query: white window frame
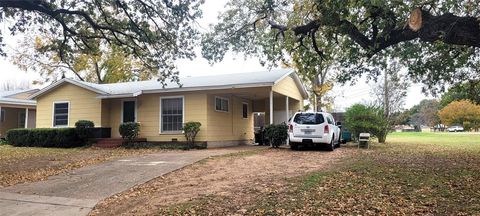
pixel 136 108
pixel 160 114
pixel 53 114
pixel 3 114
pixel 244 103
pixel 221 98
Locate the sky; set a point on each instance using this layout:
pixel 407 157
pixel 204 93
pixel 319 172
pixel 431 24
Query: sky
pixel 346 95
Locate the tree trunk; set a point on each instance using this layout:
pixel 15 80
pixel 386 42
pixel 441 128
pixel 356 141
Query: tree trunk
pixel 382 137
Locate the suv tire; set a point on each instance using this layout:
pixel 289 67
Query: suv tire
pixel 294 146
pixel 331 147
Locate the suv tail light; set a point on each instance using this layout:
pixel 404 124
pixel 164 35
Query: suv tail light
pixel 326 129
pixel 290 127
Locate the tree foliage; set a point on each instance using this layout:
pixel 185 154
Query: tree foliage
pixel 425 113
pixel 361 118
pixel 153 32
pixel 463 113
pixel 469 90
pixel 441 50
pixel 108 64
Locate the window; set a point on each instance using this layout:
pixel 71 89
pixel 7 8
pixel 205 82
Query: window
pixel 171 114
pixel 60 114
pixel 330 120
pixel 21 119
pixel 2 116
pixel 309 118
pixel 221 104
pixel 245 110
pixel 129 111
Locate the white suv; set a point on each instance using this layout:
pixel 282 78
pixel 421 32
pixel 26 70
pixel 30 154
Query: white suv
pixel 314 128
pixel 455 128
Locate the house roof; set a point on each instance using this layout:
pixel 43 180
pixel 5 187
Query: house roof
pixel 212 82
pixel 7 97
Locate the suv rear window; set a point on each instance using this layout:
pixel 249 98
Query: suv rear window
pixel 309 118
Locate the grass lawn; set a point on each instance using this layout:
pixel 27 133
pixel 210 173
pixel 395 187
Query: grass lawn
pixel 28 164
pixel 413 174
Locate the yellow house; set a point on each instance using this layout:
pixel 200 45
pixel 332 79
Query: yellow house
pixel 16 111
pixel 223 104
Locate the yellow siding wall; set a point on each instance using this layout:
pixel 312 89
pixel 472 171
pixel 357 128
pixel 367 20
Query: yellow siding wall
pixel 148 114
pixel 216 126
pixel 83 105
pixel 288 87
pixel 229 126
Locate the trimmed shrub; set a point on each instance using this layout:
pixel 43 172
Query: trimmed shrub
pixel 277 134
pixel 83 128
pixel 129 130
pixel 44 137
pixel 191 130
pixel 3 141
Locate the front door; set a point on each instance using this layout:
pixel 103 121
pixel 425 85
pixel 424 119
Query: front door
pixel 129 111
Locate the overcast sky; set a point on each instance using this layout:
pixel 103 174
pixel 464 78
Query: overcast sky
pixel 345 95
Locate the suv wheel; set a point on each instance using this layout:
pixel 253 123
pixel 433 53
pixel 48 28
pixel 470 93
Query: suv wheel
pixel 331 147
pixel 294 146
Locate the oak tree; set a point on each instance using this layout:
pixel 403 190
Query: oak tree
pixel 462 112
pixel 154 32
pixel 469 90
pixel 437 40
pixel 106 64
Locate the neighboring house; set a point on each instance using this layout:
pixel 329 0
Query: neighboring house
pixel 223 104
pixel 16 111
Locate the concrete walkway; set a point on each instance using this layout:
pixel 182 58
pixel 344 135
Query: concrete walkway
pixel 78 191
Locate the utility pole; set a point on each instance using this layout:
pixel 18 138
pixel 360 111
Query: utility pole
pixel 386 99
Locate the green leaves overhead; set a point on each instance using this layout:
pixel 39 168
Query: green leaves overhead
pixel 154 32
pixel 362 33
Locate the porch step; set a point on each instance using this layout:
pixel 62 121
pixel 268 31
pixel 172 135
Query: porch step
pixel 113 142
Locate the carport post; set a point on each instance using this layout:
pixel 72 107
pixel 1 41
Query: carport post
pixel 271 107
pixel 286 109
pixel 26 117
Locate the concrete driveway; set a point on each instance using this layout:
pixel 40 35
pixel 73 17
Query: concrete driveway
pixel 78 191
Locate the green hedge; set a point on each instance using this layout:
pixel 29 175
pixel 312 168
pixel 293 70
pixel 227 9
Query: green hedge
pixel 44 137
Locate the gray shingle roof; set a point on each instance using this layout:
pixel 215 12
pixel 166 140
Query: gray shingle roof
pixel 252 79
pixel 5 98
pixel 10 92
pixel 192 82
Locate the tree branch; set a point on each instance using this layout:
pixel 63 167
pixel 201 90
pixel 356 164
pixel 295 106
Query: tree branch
pixel 447 28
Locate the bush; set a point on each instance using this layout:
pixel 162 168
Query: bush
pixel 277 134
pixel 44 137
pixel 360 118
pixel 191 130
pixel 129 130
pixel 3 142
pixel 83 128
